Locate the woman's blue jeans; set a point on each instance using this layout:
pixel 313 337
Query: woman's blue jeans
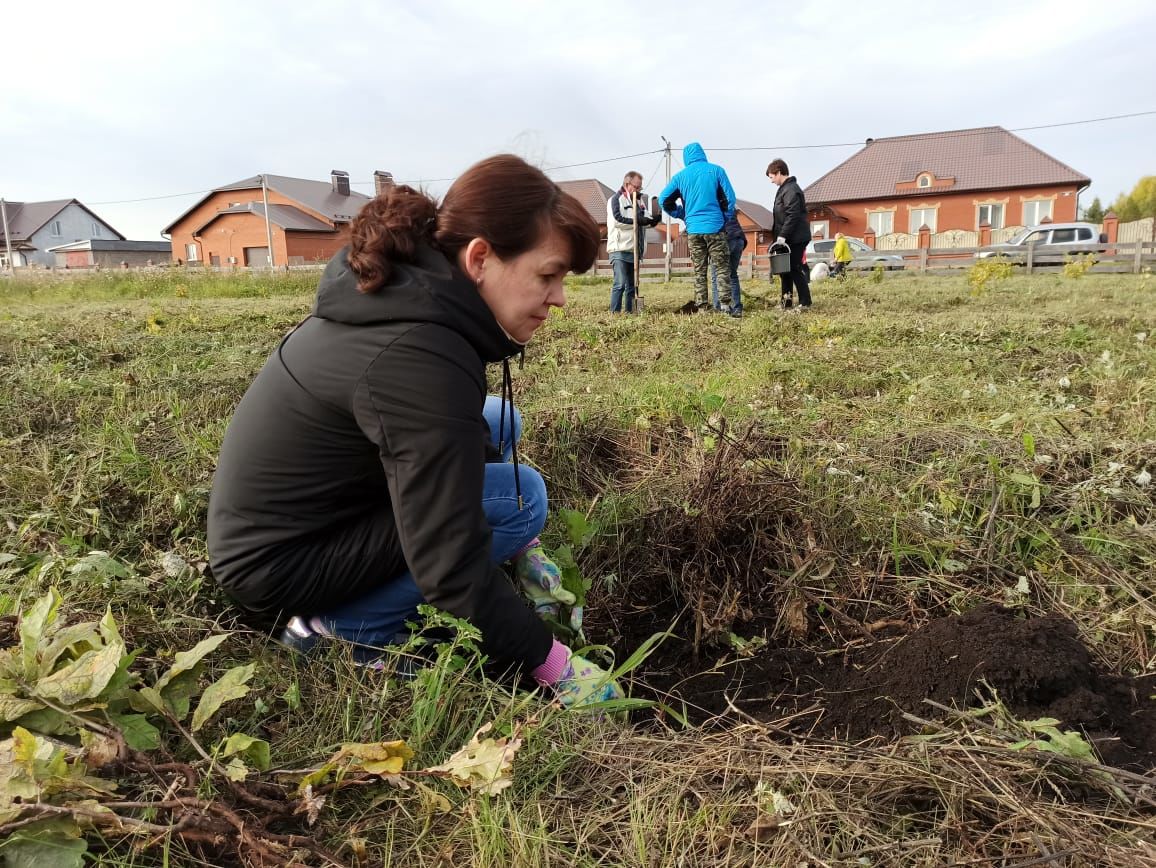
pixel 379 617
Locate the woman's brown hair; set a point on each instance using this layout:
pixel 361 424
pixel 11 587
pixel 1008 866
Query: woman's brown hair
pixel 503 199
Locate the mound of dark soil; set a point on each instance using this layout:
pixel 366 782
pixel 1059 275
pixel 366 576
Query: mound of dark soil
pixel 1037 666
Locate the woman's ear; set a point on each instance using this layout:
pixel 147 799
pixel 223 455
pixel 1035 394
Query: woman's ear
pixel 474 258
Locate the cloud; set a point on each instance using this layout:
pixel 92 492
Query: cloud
pixel 138 99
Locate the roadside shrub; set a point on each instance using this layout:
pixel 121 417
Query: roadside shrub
pixel 988 271
pixel 1078 266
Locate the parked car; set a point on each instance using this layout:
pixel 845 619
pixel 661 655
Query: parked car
pixel 1062 235
pixel 820 249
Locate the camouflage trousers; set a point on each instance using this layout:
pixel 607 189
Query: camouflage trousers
pixel 707 250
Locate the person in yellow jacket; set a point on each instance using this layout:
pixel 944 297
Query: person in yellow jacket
pixel 842 255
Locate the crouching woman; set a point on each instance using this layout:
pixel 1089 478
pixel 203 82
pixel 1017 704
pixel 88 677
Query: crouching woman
pixel 365 471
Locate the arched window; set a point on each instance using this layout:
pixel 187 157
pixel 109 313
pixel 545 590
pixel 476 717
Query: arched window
pixel 924 181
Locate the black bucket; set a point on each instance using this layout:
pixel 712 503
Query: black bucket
pixel 780 260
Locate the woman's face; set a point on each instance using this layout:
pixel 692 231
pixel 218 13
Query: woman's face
pixel 520 291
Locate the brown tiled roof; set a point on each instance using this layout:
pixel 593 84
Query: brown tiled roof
pixel 984 158
pixel 590 192
pixel 761 214
pixel 315 195
pixel 285 216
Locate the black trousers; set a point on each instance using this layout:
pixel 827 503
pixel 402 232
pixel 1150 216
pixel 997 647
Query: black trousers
pixel 798 279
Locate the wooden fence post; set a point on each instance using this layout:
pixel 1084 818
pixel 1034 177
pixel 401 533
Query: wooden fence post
pixel 1031 256
pixel 1138 257
pixel 923 259
pixel 751 266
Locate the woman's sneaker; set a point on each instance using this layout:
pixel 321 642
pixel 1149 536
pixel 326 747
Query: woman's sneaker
pixel 300 636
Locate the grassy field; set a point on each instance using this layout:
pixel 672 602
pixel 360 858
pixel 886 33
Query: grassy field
pixel 908 450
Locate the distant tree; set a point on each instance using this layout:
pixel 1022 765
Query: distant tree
pixel 1094 213
pixel 1138 204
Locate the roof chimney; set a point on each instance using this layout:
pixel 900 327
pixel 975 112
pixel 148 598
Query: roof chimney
pixel 382 181
pixel 340 182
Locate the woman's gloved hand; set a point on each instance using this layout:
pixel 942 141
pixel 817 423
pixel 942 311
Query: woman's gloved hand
pixel 541 581
pixel 585 683
pixel 576 680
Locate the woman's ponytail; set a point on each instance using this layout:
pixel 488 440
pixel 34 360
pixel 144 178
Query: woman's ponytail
pixel 387 230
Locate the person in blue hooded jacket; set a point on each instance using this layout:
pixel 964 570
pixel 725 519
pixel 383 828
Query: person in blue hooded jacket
pixel 702 196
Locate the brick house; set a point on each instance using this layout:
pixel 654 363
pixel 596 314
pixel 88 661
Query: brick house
pixel 308 221
pixel 757 222
pixel 37 227
pixel 958 180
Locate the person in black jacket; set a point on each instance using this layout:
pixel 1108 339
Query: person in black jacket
pixel 362 473
pixel 792 229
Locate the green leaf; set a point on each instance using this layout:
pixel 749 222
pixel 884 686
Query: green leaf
pixel 13 707
pixel 138 733
pixel 255 750
pixel 572 578
pixel 99 565
pixel 578 529
pixel 178 694
pixel 76 638
pixel 48 721
pixel 231 685
pixel 186 660
pixel 52 844
pixel 82 679
pixel 33 625
pixel 147 699
pixel 1029 445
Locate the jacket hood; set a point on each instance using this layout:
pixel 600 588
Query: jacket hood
pixel 693 153
pixel 432 289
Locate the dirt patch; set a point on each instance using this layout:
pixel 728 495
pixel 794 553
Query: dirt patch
pixel 1037 666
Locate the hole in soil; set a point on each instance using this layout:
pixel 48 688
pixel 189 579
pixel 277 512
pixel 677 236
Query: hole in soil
pixel 716 572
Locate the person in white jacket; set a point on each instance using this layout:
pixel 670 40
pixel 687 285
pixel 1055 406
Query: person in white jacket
pixel 621 237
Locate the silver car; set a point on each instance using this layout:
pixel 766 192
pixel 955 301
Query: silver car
pixel 820 250
pixel 1063 235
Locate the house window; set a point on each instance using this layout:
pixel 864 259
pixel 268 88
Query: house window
pixel 881 222
pixel 821 229
pixel 924 181
pixel 992 214
pixel 191 254
pixel 56 229
pixel 922 217
pixel 95 230
pixel 1036 211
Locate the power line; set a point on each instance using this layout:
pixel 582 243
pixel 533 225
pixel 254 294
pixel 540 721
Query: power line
pixel 856 144
pixel 945 135
pixel 553 168
pixel 152 198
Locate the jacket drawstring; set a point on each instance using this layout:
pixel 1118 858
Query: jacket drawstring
pixel 508 398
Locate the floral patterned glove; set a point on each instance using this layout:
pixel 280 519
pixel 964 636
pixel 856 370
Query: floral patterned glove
pixel 584 683
pixel 575 679
pixel 541 581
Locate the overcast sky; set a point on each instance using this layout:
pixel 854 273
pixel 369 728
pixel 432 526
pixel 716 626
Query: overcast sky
pixel 127 100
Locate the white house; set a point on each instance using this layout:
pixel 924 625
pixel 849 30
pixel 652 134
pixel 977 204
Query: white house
pixel 35 227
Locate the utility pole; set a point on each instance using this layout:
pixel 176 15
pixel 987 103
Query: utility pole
pixel 268 229
pixel 7 236
pixel 666 217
